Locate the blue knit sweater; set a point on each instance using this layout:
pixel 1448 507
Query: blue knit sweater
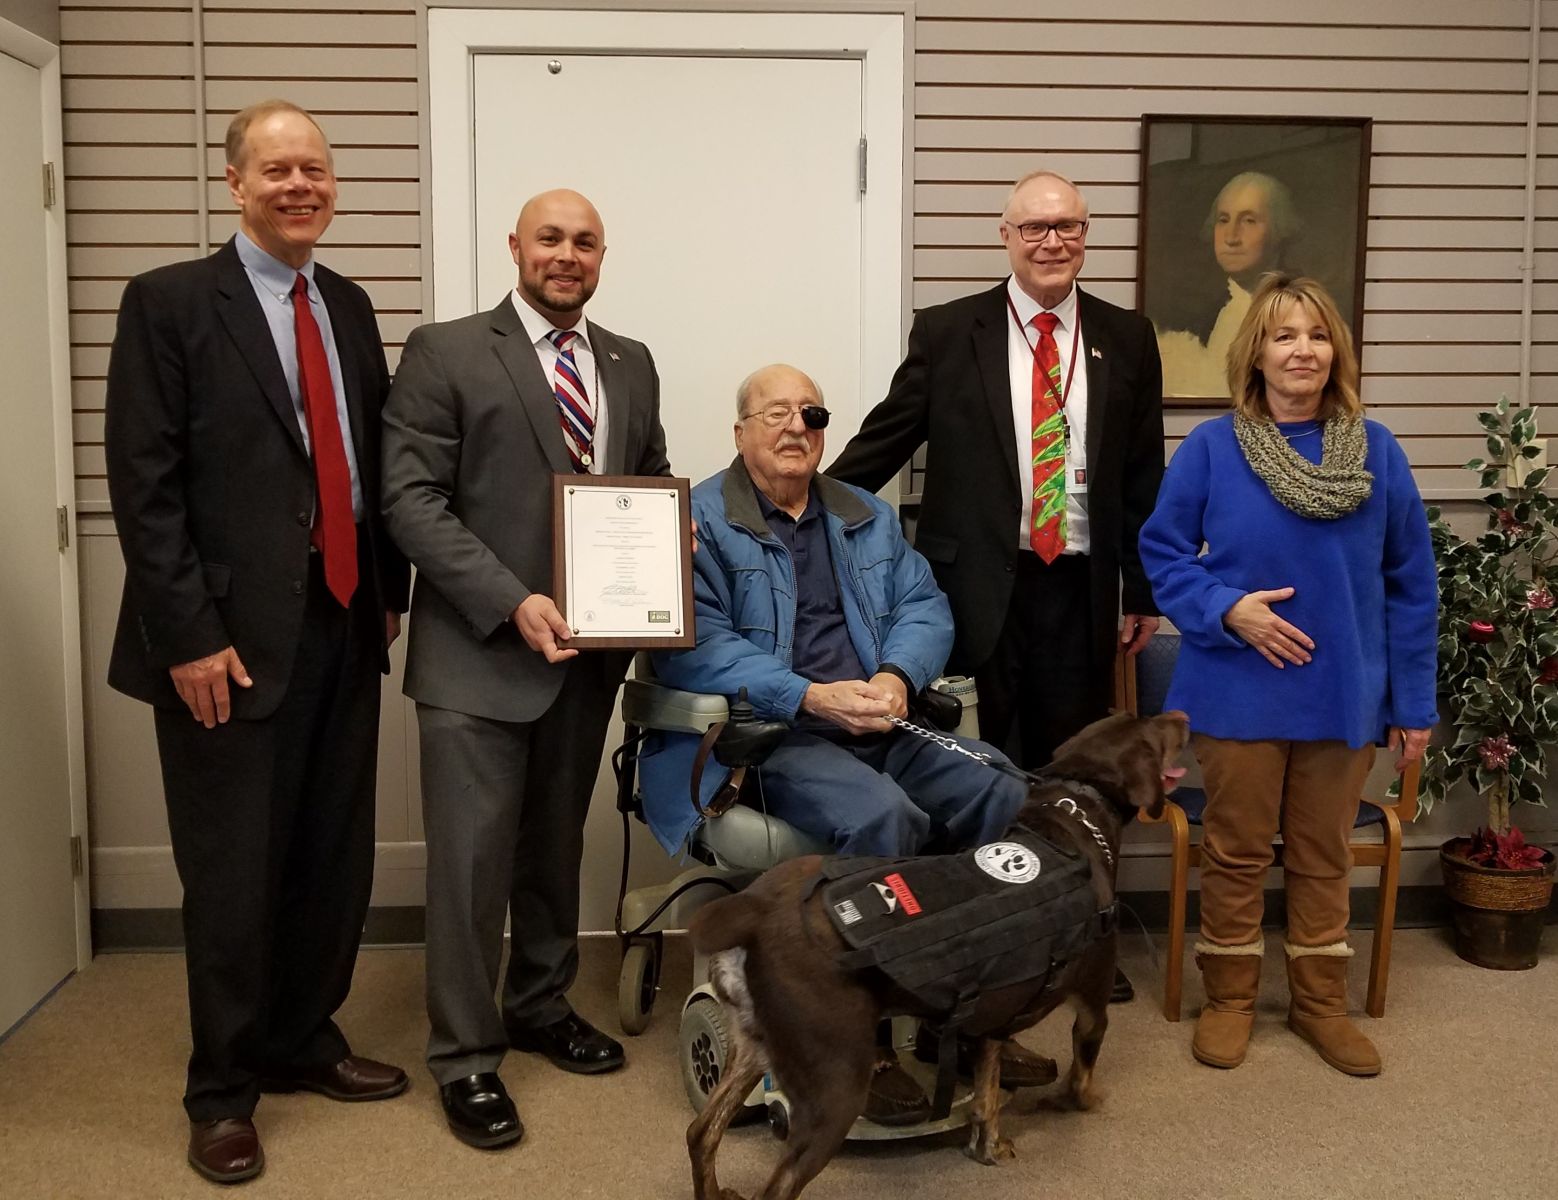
pixel 1365 593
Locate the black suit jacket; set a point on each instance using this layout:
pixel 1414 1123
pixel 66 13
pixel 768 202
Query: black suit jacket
pixel 952 394
pixel 212 490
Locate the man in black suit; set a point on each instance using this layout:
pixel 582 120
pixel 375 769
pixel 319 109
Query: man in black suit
pixel 1039 631
pixel 261 596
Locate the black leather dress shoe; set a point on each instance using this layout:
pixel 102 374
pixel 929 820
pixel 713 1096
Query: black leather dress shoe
pixel 353 1078
pixel 572 1044
pixel 226 1151
pixel 1123 991
pixel 480 1112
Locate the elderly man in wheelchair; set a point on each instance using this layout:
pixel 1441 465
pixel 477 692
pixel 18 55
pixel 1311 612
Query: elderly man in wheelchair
pixel 811 602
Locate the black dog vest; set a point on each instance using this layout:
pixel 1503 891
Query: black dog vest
pixel 947 928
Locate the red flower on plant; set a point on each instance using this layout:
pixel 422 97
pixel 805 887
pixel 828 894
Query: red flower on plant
pixel 1549 671
pixel 1506 851
pixel 1508 524
pixel 1480 631
pixel 1495 751
pixel 1539 599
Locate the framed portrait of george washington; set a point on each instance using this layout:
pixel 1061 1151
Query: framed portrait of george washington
pixel 1225 200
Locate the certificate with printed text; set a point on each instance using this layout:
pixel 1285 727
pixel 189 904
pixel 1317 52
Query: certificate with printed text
pixel 622 560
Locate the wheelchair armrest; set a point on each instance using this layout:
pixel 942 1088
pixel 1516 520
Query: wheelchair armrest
pixel 652 705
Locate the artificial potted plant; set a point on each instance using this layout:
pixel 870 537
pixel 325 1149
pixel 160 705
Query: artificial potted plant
pixel 1498 693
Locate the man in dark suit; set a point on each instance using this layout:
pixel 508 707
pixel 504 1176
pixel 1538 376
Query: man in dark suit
pixel 261 596
pixel 484 411
pixel 1040 408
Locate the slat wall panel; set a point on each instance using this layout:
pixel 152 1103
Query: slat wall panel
pixel 1000 86
pixel 135 160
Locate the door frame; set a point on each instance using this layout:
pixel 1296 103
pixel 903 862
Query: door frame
pixel 880 34
pixel 35 51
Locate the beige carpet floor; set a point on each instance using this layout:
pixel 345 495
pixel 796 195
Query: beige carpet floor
pixel 1467 1106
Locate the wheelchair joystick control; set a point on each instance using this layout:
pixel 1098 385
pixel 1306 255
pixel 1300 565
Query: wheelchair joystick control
pixel 747 741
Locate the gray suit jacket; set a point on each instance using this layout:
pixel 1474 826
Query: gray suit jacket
pixel 471 442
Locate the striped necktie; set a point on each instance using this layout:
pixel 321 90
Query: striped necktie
pixel 573 403
pixel 1047 528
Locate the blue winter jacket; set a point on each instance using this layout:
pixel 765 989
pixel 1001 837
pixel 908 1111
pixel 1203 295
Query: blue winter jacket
pixel 744 591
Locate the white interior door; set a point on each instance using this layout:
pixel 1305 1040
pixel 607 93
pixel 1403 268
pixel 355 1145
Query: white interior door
pixel 723 151
pixel 729 188
pixel 37 886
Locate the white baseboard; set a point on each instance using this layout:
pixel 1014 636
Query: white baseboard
pixel 144 876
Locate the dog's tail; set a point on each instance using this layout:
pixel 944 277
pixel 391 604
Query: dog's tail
pixel 725 923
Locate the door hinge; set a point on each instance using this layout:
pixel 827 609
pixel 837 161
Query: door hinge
pixel 49 192
pixel 62 526
pixel 862 166
pixel 77 865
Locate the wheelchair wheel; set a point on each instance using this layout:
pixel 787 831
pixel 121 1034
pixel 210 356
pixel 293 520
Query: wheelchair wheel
pixel 704 1046
pixel 636 986
pixel 778 1120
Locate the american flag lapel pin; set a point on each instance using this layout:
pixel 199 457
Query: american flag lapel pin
pixel 615 357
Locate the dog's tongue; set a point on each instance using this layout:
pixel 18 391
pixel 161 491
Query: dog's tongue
pixel 1171 778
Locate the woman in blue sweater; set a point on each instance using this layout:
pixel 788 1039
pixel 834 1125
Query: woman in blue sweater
pixel 1309 632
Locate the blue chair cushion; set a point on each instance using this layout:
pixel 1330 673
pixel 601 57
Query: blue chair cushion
pixel 1193 801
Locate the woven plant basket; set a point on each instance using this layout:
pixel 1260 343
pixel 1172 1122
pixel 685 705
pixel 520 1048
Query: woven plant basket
pixel 1497 914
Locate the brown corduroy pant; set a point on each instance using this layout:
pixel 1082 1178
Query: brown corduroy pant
pixel 1307 791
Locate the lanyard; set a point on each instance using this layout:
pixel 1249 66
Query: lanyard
pixel 1071 366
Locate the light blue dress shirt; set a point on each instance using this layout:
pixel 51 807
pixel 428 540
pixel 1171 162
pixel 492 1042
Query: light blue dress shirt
pixel 272 281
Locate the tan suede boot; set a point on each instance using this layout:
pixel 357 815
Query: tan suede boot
pixel 1317 976
pixel 1231 975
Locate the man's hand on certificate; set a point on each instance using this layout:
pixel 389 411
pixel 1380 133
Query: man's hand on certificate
pixel 543 627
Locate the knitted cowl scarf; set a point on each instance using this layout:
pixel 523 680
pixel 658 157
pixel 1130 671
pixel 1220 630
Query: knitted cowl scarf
pixel 1331 488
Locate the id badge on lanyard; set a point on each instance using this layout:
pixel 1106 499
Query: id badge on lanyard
pixel 1076 452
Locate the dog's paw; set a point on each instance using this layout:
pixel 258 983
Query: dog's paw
pixel 726 1193
pixel 1085 1099
pixel 990 1153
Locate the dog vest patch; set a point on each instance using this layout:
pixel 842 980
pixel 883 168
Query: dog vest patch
pixel 946 928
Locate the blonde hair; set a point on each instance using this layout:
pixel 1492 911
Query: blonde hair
pixel 1272 298
pixel 237 145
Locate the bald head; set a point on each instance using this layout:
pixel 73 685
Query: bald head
pixel 558 244
pixel 781 457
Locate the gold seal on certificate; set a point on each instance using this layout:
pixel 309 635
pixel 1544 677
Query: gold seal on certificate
pixel 622 560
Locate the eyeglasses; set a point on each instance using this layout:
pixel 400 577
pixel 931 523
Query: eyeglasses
pixel 775 415
pixel 1037 231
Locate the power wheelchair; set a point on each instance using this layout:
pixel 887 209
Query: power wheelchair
pixel 729 850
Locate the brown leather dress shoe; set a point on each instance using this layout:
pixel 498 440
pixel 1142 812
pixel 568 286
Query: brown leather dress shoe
pixel 353 1078
pixel 895 1099
pixel 1020 1067
pixel 226 1151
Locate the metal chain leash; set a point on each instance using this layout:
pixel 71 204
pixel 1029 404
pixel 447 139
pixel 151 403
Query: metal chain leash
pixel 1065 803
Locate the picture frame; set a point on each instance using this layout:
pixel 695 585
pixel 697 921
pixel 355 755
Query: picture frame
pixel 1225 199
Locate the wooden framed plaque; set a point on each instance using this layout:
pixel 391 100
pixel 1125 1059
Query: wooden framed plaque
pixel 622 561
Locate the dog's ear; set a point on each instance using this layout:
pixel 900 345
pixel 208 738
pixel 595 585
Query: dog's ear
pixel 1121 755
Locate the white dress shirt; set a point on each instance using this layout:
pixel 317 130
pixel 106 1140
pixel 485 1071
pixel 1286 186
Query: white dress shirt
pixel 537 328
pixel 1020 343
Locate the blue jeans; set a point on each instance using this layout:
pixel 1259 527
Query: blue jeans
pixel 892 795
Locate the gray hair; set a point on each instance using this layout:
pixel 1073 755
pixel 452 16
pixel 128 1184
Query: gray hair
pixel 1041 174
pixel 1285 221
pixel 744 388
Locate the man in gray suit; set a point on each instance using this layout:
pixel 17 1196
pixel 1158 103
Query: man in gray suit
pixel 483 412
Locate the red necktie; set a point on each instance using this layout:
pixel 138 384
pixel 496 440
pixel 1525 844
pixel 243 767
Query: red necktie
pixel 335 532
pixel 1047 530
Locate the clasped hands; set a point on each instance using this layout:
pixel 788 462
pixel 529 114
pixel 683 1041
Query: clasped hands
pixel 857 705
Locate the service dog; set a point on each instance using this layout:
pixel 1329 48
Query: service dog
pixel 798 1011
